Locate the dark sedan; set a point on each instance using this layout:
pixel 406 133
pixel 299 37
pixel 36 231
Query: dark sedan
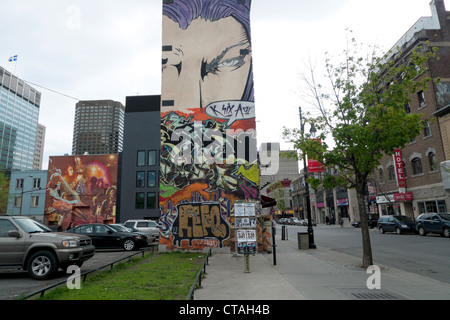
pixel 105 237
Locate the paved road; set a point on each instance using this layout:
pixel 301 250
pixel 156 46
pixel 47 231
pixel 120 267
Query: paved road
pixel 17 283
pixel 427 256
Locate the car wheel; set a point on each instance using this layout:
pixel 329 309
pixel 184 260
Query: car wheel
pixel 422 231
pixel 381 230
pixel 447 232
pixel 128 245
pixel 398 230
pixel 42 265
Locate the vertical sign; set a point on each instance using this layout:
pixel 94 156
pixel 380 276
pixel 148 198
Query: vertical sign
pixel 314 165
pixel 399 169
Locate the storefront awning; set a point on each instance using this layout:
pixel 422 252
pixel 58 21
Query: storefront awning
pixel 268 202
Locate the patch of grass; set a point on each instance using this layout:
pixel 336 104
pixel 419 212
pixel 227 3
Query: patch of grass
pixel 163 276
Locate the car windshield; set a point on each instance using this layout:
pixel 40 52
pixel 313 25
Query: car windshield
pixel 445 216
pixel 31 226
pixel 403 218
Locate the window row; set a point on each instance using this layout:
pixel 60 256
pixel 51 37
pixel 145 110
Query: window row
pixel 416 165
pixel 151 179
pixel 146 158
pixel 34 201
pixel 141 203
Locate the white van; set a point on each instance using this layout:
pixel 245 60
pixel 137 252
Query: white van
pixel 146 226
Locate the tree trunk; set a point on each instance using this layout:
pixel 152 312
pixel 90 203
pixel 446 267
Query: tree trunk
pixel 364 220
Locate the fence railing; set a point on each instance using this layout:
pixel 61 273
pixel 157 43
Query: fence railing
pixel 85 274
pixel 198 278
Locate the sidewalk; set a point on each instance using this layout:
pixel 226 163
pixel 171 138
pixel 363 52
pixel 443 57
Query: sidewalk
pixel 312 274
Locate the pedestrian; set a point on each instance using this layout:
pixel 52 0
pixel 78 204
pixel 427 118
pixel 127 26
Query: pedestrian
pixel 327 220
pixel 341 222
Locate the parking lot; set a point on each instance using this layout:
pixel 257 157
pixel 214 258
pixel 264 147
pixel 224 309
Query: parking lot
pixel 16 283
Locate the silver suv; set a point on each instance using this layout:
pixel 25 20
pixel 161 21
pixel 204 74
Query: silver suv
pixel 28 244
pixel 149 227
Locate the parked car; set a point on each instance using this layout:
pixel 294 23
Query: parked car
pixel 433 223
pixel 105 237
pixel 122 228
pixel 373 222
pixel 28 244
pixel 145 226
pixel 397 223
pixel 295 222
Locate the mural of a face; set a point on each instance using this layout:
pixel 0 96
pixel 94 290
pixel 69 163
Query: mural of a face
pixel 207 84
pixel 198 74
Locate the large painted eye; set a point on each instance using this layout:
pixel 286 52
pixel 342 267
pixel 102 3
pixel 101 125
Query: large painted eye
pixel 230 63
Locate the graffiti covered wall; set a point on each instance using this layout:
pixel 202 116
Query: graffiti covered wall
pixel 208 137
pixel 81 189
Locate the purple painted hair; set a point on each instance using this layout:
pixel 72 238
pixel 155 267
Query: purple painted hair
pixel 184 12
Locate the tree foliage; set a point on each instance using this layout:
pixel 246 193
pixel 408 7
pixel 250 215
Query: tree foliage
pixel 361 111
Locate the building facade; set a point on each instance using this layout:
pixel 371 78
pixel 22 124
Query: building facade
pixel 139 161
pixel 27 194
pixel 81 189
pixel 98 127
pixel 39 148
pixel 19 114
pixel 418 186
pixel 207 101
pixel 278 184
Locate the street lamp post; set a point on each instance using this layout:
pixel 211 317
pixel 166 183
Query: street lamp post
pixel 312 245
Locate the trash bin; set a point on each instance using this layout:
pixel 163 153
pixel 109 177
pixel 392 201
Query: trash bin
pixel 303 240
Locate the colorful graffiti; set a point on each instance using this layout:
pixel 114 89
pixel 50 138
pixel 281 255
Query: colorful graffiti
pixel 208 138
pixel 81 189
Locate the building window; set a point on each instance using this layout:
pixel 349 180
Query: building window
pixel 152 158
pixel 140 179
pixel 432 161
pixel 151 200
pixel 141 158
pixel 421 98
pixel 407 108
pixel 19 183
pixel 426 129
pixel 151 179
pixel 36 183
pixel 34 201
pixel 417 166
pixel 17 202
pixel 380 171
pixel 391 173
pixel 140 198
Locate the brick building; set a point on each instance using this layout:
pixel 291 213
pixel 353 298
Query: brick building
pixel 421 158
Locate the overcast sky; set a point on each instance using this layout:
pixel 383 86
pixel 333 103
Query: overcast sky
pixel 100 49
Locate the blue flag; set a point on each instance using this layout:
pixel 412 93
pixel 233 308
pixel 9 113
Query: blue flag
pixel 13 58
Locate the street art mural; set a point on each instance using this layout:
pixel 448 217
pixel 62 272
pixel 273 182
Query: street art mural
pixel 81 189
pixel 208 137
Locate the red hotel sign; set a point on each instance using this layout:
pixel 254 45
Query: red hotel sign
pixel 399 170
pixel 400 197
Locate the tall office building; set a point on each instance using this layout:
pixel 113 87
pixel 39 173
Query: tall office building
pixel 98 127
pixel 39 148
pixel 19 114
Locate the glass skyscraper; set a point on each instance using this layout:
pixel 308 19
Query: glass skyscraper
pixel 98 127
pixel 19 115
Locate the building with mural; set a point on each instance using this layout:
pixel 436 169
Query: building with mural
pixel 208 138
pixel 81 189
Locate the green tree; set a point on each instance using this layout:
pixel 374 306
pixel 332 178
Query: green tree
pixel 4 192
pixel 362 112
